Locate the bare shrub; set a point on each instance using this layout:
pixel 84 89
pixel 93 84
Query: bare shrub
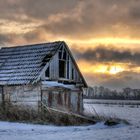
pixel 64 119
pixel 26 114
pixel 17 113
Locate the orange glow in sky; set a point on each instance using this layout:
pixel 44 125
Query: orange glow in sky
pixel 104 36
pixel 110 68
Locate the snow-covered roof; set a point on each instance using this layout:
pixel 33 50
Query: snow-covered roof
pixel 57 84
pixel 23 64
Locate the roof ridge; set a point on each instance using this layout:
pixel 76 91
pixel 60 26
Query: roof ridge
pixel 30 45
pixel 7 58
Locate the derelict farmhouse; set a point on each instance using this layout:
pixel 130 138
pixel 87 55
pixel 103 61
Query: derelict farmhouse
pixel 45 73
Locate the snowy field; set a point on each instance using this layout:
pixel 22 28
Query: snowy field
pixel 19 131
pixel 120 102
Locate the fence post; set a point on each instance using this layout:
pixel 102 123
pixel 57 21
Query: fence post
pixel 3 99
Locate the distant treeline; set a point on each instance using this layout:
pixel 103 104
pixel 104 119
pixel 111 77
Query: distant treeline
pixel 106 93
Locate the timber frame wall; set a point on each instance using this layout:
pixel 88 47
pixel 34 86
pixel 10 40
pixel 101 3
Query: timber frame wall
pixel 31 96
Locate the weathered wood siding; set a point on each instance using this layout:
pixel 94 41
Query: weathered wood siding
pixel 31 95
pixel 54 62
pixel 27 95
pixel 63 99
pixel 76 101
pixel 54 70
pixel 54 65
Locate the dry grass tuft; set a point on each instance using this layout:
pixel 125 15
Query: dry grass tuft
pixel 26 114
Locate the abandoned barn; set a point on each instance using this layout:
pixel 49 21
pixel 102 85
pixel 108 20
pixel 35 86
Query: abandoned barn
pixel 41 73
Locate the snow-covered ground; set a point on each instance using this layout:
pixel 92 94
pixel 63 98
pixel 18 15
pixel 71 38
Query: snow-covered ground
pixel 131 113
pixel 19 131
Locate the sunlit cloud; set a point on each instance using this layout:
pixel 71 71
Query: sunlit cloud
pixel 104 36
pixel 16 27
pixel 104 68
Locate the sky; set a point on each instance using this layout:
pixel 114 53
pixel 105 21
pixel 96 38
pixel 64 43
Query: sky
pixel 104 35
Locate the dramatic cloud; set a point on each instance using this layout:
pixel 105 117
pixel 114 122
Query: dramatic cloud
pixel 84 25
pixel 110 66
pixel 5 39
pixel 78 18
pixel 119 81
pixel 108 54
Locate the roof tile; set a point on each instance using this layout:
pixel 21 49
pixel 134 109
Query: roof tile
pixel 23 64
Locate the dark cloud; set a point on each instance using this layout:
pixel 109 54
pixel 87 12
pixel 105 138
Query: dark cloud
pixel 34 8
pixel 32 35
pixel 5 39
pixel 107 54
pixel 99 18
pixel 78 18
pixel 124 79
pixel 118 81
pixel 135 12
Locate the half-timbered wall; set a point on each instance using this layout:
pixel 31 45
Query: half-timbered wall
pixel 61 67
pixel 30 96
pixel 24 68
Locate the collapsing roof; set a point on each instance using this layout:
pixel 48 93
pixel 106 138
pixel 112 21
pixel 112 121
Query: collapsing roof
pixel 24 64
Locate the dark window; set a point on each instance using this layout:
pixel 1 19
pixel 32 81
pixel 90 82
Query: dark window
pixel 60 54
pixel 47 73
pixel 61 48
pixel 72 73
pixel 68 70
pixel 64 55
pixel 63 64
pixel 46 59
pixel 62 69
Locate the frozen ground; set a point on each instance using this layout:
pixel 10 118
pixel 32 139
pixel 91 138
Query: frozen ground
pixel 131 113
pixel 19 131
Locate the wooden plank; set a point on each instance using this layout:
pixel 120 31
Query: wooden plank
pixel 67 113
